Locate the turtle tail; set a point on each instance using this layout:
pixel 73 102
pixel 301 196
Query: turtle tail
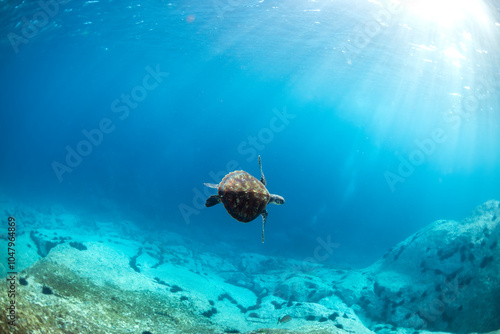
pixel 212 200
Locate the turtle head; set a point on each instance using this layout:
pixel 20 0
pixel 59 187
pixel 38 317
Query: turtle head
pixel 276 199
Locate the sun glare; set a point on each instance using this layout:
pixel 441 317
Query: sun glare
pixel 447 12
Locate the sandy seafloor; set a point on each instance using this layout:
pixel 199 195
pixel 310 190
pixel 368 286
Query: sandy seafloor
pixel 80 274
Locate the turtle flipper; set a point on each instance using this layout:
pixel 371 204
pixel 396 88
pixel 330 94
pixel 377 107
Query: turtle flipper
pixel 212 200
pixel 262 177
pixel 264 218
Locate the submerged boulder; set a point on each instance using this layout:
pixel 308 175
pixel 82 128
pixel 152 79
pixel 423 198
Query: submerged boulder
pixel 442 278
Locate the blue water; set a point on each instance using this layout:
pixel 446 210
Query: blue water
pixel 372 119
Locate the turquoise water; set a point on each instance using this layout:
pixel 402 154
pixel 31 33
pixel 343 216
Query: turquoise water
pixel 372 118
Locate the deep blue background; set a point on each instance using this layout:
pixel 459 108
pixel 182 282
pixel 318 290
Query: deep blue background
pixel 356 116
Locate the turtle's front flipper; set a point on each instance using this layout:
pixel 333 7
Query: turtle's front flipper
pixel 262 177
pixel 264 218
pixel 212 200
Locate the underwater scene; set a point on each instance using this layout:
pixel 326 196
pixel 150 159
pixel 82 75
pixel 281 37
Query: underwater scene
pixel 250 166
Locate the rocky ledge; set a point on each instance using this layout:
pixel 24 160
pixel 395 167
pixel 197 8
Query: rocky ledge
pixel 81 275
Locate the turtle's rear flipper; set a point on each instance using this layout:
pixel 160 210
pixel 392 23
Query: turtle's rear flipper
pixel 264 218
pixel 212 200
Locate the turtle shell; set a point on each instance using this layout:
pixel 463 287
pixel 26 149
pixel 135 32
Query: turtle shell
pixel 243 196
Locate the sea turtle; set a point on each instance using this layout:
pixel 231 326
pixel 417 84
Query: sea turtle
pixel 243 196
